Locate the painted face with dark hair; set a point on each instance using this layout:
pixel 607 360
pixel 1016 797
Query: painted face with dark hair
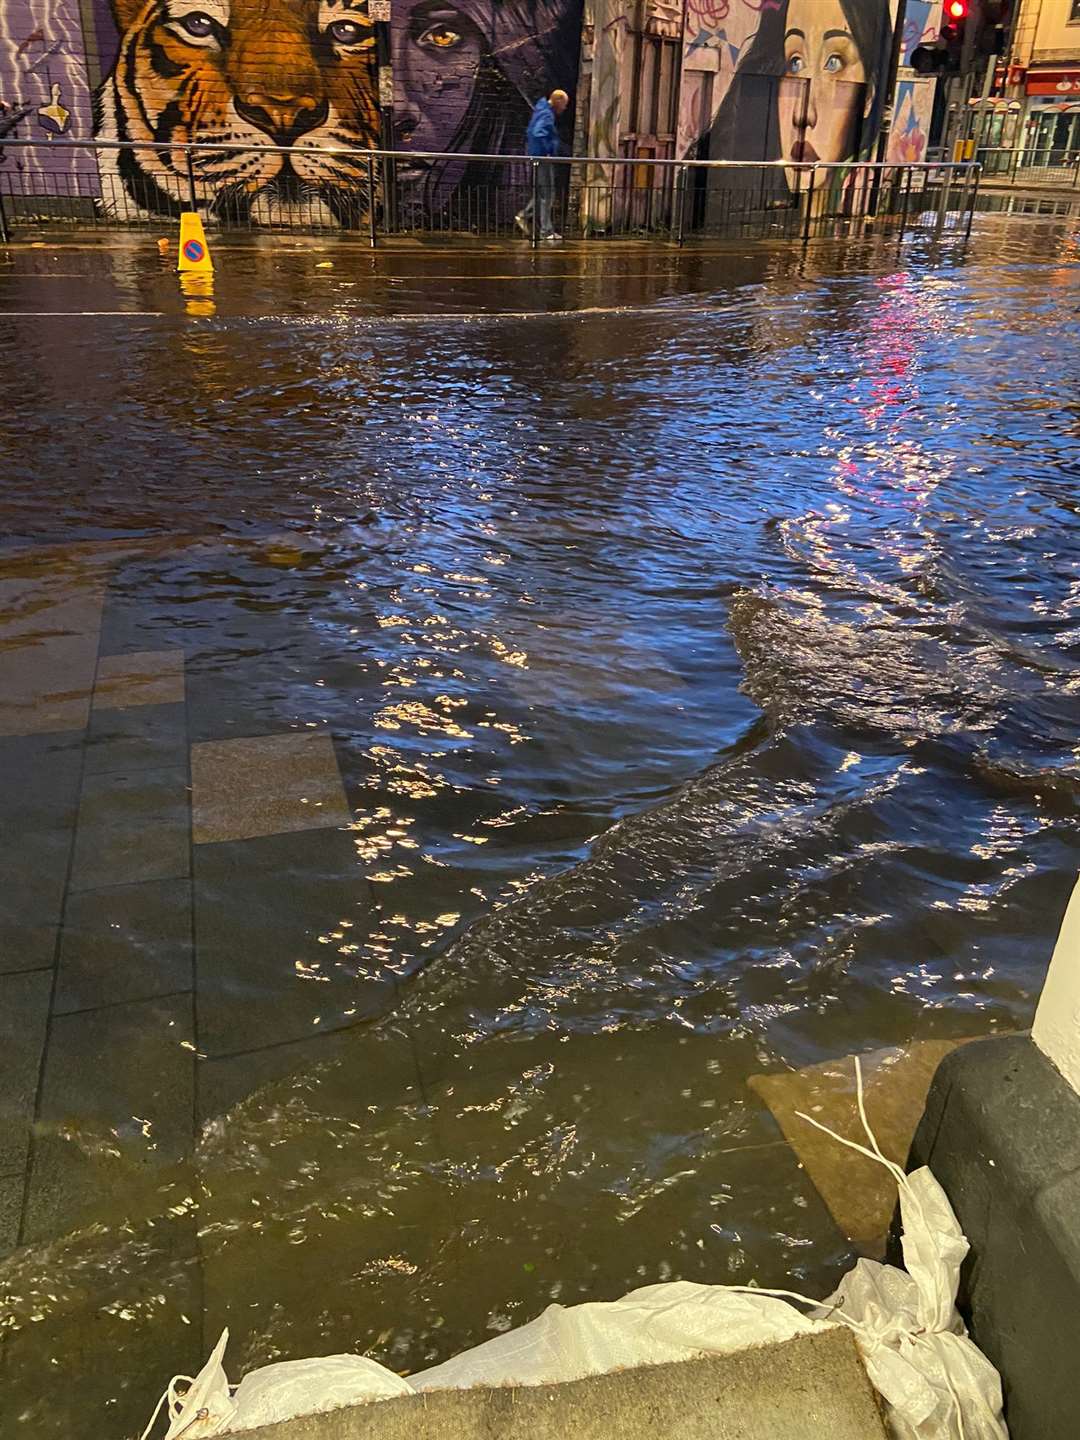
pixel 437 50
pixel 824 93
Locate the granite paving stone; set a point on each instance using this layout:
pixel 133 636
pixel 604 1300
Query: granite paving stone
pixel 266 785
pixel 280 923
pixel 117 1105
pixel 141 677
pixel 24 1010
pixel 125 942
pixel 133 825
pixel 143 737
pixel 859 1192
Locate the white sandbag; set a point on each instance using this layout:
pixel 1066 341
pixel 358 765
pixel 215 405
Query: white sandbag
pixel 286 1390
pixel 936 1384
pixel 210 1406
pixel 650 1326
pixel 935 1381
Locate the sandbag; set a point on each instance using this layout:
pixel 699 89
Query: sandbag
pixel 934 1381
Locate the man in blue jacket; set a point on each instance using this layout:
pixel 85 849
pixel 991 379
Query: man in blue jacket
pixel 542 141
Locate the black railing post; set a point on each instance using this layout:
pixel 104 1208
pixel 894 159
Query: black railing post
pixel 534 210
pixel 974 197
pixel 810 189
pixel 680 200
pixel 373 233
pixel 904 206
pixel 191 180
pixel 798 191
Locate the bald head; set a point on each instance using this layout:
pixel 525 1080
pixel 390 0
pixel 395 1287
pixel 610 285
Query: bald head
pixel 558 100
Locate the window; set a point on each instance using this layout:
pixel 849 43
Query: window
pixel 1074 13
pixel 655 92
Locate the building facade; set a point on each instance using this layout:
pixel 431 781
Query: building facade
pixel 1044 77
pixel 738 80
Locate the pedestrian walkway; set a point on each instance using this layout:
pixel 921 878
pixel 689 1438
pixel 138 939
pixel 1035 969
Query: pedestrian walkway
pixel 170 851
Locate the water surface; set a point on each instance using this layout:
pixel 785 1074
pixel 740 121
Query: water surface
pixel 698 637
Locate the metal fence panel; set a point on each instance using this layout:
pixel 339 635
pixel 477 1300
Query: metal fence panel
pixel 484 196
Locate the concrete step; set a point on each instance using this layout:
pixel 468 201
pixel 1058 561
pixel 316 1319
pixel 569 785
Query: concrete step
pixel 806 1388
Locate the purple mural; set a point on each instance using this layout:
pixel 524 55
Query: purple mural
pixel 45 94
pixel 466 76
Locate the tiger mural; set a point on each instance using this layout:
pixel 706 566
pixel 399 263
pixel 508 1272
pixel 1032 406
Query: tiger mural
pixel 244 73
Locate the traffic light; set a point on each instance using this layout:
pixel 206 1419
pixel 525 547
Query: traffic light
pixel 943 56
pixel 946 55
pixel 954 18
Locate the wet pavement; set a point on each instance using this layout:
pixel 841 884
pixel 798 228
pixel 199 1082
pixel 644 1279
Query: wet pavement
pixel 482 735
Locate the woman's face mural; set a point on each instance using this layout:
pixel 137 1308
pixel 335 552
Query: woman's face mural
pixel 825 91
pixel 436 58
pixel 806 85
pixel 466 76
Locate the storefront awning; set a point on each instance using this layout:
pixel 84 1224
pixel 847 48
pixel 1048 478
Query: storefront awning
pixel 1054 82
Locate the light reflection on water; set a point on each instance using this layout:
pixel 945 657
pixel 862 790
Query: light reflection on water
pixel 704 688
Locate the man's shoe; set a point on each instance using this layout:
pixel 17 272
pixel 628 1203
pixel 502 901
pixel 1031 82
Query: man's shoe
pixel 521 223
pixel 553 236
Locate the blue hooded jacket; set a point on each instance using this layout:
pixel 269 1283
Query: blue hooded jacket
pixel 542 136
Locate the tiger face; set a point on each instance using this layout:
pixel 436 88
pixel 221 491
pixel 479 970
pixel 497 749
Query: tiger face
pixel 243 73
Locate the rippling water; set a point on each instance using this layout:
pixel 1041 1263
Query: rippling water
pixel 702 661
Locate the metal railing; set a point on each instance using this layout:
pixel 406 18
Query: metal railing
pixel 382 194
pixel 1043 166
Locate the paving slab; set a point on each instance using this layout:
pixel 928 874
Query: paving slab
pixel 133 825
pixel 24 1011
pixel 50 622
pixel 140 677
pixel 266 785
pixel 125 942
pixel 117 1101
pixel 116 1305
pixel 227 1080
pixel 11 1198
pixel 278 924
pixel 804 1389
pixel 859 1193
pixel 142 737
pixel 39 784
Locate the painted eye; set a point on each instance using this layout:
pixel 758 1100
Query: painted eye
pixel 796 64
pixel 345 32
pixel 197 24
pixel 440 37
pixel 834 63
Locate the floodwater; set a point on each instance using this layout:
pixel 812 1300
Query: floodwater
pixel 697 637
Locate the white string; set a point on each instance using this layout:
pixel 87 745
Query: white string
pixel 872 1154
pixel 174 1403
pixel 898 1174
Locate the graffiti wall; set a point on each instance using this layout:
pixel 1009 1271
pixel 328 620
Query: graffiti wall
pixel 248 73
pixel 241 73
pixel 45 87
pixel 466 76
pixel 799 80
pixel 795 80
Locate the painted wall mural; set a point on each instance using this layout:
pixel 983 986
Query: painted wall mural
pixel 248 73
pixel 243 73
pixel 799 80
pixel 45 90
pixel 466 76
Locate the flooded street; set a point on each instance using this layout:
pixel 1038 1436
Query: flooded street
pixel 465 717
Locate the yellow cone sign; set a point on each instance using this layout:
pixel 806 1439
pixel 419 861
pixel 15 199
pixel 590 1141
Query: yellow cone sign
pixel 194 251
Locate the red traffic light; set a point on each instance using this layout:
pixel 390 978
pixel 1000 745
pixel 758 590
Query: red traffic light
pixel 957 9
